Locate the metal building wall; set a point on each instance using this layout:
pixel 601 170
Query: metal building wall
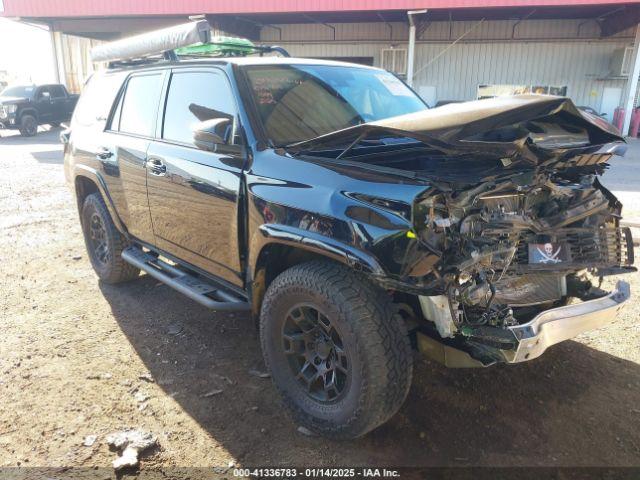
pixel 537 52
pixel 74 59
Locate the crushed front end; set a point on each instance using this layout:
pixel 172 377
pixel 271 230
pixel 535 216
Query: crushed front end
pixel 516 233
pixel 513 253
pixel 513 234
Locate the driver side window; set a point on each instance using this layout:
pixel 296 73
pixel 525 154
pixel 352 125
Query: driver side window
pixel 195 97
pixel 44 93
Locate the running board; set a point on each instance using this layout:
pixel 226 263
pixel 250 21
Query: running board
pixel 203 291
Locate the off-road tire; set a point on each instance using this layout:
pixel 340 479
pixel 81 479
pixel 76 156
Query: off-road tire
pixel 375 336
pixel 28 126
pixel 114 269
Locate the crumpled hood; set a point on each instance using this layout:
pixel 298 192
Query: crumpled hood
pixel 531 127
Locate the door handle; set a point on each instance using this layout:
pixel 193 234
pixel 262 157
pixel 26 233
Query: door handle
pixel 104 153
pixel 156 167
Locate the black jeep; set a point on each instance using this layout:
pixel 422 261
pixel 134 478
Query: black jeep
pixel 24 107
pixel 352 222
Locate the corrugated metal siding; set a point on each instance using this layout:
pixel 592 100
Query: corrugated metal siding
pixel 75 62
pixel 578 65
pixel 440 31
pixel 542 53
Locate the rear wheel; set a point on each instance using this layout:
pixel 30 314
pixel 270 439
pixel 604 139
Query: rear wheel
pixel 28 126
pixel 337 351
pixel 104 242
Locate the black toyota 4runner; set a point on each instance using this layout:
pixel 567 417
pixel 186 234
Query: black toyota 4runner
pixel 352 222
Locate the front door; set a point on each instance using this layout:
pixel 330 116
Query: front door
pixel 44 104
pixel 193 194
pixel 59 104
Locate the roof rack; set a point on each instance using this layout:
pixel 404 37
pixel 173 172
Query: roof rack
pixel 187 40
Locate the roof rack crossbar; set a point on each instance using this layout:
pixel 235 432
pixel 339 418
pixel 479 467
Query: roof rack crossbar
pixel 274 48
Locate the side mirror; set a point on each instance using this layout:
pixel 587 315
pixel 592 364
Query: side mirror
pixel 209 134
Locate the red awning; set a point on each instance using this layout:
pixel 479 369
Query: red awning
pixel 84 8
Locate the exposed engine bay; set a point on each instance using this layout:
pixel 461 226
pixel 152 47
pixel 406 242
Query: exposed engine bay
pixel 516 221
pixel 511 248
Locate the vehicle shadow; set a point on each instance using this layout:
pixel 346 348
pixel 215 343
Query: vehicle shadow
pixel 575 406
pixel 49 156
pixel 49 136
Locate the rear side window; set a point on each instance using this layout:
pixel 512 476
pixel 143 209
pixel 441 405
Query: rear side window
pixel 96 100
pixel 193 98
pixel 140 105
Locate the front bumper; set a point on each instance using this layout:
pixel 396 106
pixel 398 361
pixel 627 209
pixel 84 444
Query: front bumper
pixel 562 323
pixel 534 337
pixel 8 121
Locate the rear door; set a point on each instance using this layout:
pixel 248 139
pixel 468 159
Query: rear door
pixel 193 194
pixel 122 150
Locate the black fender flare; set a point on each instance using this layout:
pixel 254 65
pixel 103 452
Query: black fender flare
pixel 28 111
pixel 314 242
pixel 93 175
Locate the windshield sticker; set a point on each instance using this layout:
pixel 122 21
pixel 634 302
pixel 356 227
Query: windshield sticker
pixel 394 85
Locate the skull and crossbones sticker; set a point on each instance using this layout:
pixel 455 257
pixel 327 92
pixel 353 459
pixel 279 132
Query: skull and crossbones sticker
pixel 547 255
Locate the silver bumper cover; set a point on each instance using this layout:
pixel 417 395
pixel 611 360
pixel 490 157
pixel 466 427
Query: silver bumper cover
pixel 562 323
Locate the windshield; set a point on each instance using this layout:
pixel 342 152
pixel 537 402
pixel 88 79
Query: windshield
pixel 18 91
pixel 301 102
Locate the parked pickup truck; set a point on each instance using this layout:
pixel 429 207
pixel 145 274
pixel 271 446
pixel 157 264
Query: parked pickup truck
pixel 24 107
pixel 354 224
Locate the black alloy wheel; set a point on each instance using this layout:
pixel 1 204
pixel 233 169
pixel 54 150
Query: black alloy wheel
pixel 99 240
pixel 104 242
pixel 315 353
pixel 28 126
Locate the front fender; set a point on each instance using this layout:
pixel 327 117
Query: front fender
pixel 313 242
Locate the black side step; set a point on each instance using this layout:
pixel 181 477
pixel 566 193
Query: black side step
pixel 201 290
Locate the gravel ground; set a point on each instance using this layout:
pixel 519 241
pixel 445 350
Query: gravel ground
pixel 79 358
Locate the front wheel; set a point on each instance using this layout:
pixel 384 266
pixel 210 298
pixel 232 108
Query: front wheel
pixel 337 351
pixel 28 126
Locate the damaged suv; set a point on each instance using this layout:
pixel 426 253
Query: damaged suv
pixel 352 222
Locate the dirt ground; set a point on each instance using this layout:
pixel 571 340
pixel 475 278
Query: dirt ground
pixel 79 358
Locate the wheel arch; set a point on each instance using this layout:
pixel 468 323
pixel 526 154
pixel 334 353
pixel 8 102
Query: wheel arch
pixel 88 181
pixel 28 111
pixel 282 247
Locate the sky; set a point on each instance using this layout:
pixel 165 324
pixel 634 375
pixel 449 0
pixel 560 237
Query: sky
pixel 25 52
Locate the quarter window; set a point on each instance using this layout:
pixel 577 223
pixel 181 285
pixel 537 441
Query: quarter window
pixel 193 98
pixel 96 100
pixel 140 105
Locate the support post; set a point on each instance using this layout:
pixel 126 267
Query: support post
pixel 54 50
pixel 412 44
pixel 632 83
